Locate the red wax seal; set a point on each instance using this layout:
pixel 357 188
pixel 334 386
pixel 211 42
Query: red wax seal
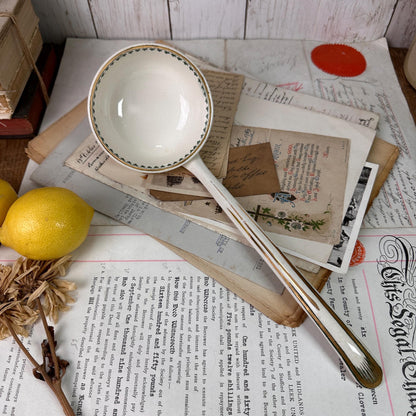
pixel 358 255
pixel 338 59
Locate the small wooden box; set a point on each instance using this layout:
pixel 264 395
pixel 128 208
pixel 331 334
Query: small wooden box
pixel 15 68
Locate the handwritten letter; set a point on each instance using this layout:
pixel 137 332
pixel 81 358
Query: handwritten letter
pixel 251 171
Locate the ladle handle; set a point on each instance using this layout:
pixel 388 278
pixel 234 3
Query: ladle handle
pixel 358 360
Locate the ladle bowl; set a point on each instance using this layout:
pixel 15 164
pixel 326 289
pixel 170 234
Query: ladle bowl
pixel 151 109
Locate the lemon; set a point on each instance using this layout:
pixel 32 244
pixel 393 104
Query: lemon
pixel 7 197
pixel 46 223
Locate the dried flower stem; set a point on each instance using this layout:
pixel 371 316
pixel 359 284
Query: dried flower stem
pixel 53 383
pixel 6 322
pixel 51 341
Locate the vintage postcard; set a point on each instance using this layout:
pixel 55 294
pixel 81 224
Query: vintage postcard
pixel 341 254
pixel 312 171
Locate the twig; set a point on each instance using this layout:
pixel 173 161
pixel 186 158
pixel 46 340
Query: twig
pixel 6 322
pixel 55 383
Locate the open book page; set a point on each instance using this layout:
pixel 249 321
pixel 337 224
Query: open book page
pixel 280 308
pixel 150 334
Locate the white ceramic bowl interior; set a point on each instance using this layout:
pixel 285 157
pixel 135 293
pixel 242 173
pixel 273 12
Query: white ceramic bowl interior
pixel 150 107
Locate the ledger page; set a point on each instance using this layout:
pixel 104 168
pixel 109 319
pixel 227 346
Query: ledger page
pixel 149 334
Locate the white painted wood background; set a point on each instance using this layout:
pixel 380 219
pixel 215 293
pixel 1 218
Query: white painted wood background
pixel 324 20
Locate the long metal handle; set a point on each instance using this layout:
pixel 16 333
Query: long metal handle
pixel 358 360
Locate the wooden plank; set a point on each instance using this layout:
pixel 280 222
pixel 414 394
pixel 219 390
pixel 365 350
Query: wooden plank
pixel 402 28
pixel 65 18
pixel 191 19
pixel 131 19
pixel 324 20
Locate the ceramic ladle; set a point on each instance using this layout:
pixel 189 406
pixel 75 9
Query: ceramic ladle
pixel 151 109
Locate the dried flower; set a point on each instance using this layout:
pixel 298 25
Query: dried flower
pixel 27 280
pixel 19 316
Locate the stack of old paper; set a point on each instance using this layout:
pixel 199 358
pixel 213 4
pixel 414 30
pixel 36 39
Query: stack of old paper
pixel 315 182
pixel 300 173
